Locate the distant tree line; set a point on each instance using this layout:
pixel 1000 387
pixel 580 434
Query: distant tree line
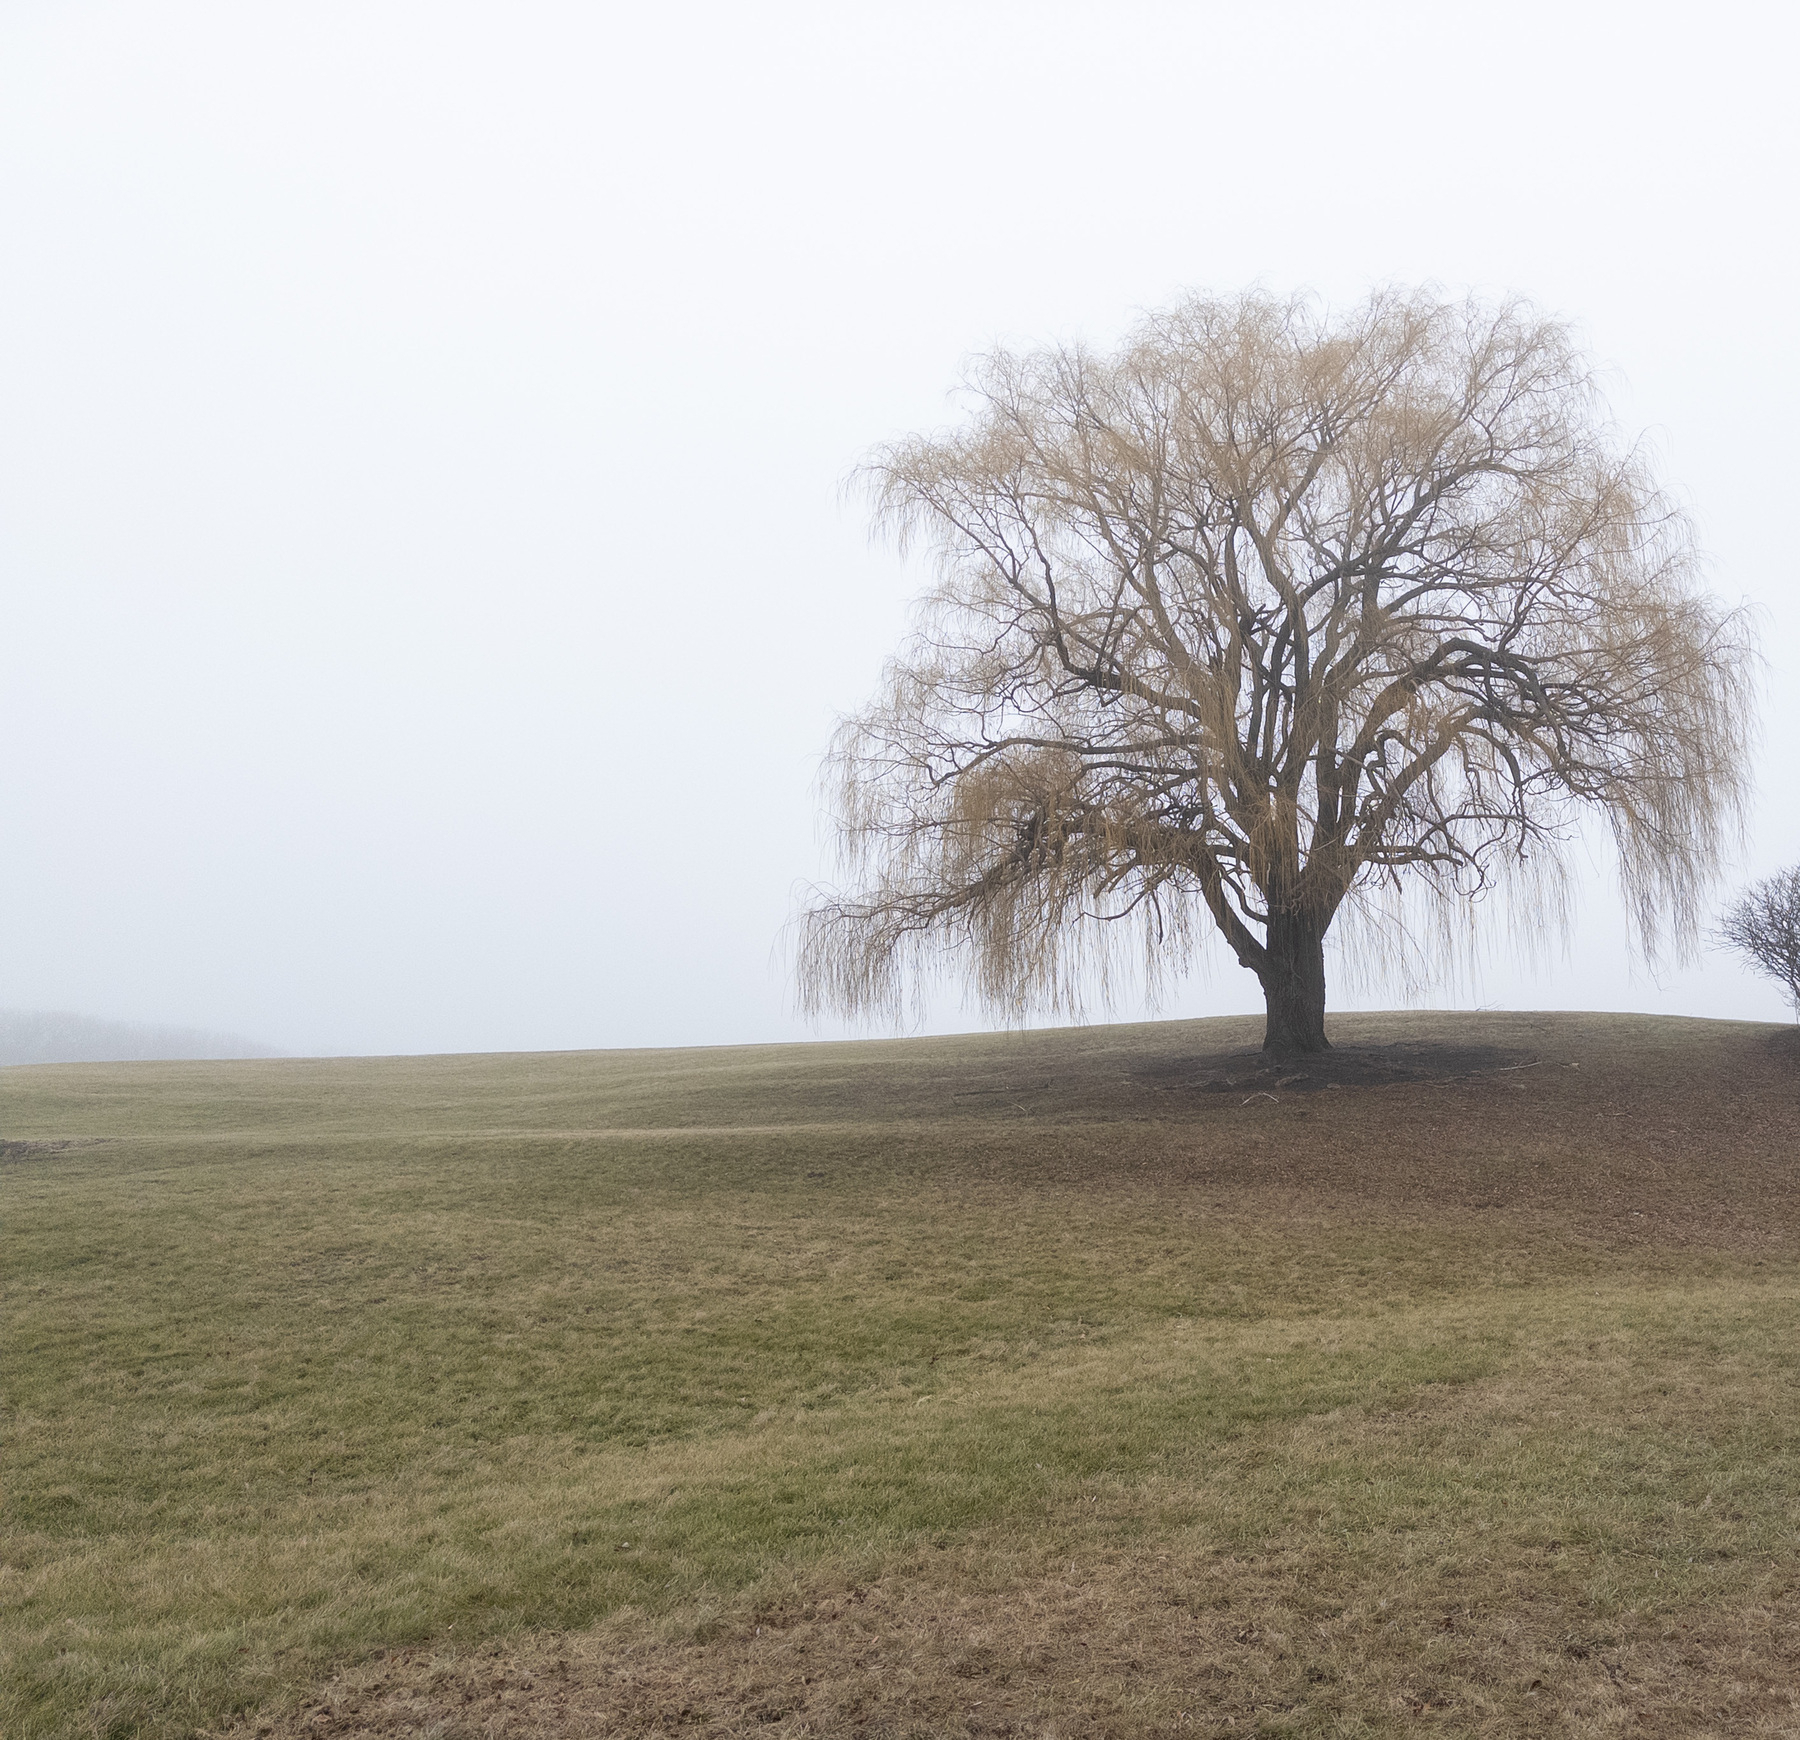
pixel 48 1036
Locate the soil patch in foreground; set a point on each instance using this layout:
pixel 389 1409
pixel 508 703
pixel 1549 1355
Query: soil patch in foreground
pixel 46 1149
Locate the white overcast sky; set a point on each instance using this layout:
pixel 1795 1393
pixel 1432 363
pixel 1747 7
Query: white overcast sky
pixel 424 584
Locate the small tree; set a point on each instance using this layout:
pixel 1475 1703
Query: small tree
pixel 1261 616
pixel 1763 925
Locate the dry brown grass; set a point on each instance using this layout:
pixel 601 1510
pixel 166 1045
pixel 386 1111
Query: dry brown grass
pixel 1259 1596
pixel 1226 1647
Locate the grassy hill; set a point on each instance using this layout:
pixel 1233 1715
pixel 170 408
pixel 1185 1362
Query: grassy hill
pixel 1102 1381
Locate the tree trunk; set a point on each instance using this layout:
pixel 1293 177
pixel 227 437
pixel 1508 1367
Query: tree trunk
pixel 1293 982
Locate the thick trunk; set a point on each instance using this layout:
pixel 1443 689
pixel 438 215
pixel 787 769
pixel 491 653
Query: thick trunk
pixel 1293 982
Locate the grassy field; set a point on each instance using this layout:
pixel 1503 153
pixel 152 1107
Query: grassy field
pixel 1074 1383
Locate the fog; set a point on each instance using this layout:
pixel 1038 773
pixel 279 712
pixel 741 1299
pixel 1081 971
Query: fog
pixel 55 1036
pixel 425 581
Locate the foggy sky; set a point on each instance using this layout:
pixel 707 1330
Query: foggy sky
pixel 425 589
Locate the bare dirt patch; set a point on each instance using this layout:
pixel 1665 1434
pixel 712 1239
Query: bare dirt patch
pixel 47 1149
pixel 1405 1062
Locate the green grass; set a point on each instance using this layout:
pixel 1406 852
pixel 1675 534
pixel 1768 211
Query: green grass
pixel 312 1360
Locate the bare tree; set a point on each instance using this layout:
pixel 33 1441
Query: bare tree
pixel 1265 617
pixel 1763 925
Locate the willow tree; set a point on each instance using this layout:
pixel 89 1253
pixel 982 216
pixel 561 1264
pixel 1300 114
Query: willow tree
pixel 1263 617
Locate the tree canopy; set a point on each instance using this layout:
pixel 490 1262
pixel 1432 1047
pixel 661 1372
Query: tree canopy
pixel 1265 617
